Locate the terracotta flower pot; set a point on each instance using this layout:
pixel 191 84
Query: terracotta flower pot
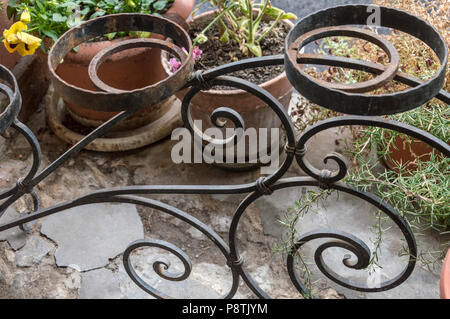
pixel 127 70
pixel 255 113
pixel 445 277
pixel 406 154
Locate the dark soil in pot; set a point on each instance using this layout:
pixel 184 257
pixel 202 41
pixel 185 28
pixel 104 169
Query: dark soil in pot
pixel 216 53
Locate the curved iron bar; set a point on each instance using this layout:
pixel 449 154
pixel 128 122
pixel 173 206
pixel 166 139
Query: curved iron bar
pixel 228 113
pixel 264 186
pixel 111 196
pixel 359 247
pixel 359 103
pixel 22 185
pixel 327 177
pixel 366 66
pixel 12 110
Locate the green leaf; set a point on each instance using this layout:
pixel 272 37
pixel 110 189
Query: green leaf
pixel 160 5
pixel 288 16
pixel 57 17
pixel 255 49
pixel 50 34
pixel 111 35
pixel 243 6
pixel 40 5
pixel 11 12
pixel 225 37
pixel 97 14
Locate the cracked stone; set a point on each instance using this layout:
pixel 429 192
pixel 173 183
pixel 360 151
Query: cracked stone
pixel 15 236
pixel 89 236
pixel 32 253
pixel 99 284
pixel 193 287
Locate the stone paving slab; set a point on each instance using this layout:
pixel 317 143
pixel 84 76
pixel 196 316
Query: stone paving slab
pixel 32 253
pixel 354 216
pixel 89 236
pixel 99 284
pixel 15 236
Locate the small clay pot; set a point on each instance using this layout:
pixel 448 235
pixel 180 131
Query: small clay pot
pixel 445 277
pixel 405 153
pixel 126 70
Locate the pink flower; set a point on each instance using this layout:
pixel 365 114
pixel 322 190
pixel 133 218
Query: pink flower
pixel 197 53
pixel 174 64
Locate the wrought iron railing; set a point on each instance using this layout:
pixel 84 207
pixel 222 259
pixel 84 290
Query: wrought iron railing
pixel 364 109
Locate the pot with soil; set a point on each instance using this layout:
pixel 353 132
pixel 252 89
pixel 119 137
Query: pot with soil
pixel 254 112
pixel 126 70
pixel 445 277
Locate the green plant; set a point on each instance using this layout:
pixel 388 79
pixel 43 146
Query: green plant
pixel 422 195
pixel 52 18
pixel 240 21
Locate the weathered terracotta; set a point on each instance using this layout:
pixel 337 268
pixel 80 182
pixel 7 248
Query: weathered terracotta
pixel 7 59
pixel 445 277
pixel 254 112
pixel 127 70
pixel 406 154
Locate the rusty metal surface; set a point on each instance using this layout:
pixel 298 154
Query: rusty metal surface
pixel 358 103
pixel 386 75
pixel 107 52
pixel 295 148
pixel 132 100
pixel 9 114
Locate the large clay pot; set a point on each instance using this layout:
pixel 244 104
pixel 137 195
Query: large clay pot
pixel 445 277
pixel 127 70
pixel 255 113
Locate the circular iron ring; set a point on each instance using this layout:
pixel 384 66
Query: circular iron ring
pixel 387 75
pixel 132 100
pixel 11 111
pixel 358 103
pixel 104 54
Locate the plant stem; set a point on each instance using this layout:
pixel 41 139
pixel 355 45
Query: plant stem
pixel 251 37
pixel 214 21
pixel 261 13
pixel 270 28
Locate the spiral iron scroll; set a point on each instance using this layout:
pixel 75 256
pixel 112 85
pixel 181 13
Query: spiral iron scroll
pixel 362 110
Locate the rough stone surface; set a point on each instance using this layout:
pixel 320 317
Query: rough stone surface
pixel 193 288
pixel 15 236
pixel 42 280
pixel 88 236
pixel 32 253
pixel 221 224
pixel 99 284
pixel 195 233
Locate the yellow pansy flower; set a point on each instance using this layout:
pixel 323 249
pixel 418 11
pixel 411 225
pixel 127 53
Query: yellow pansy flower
pixel 25 17
pixel 10 36
pixel 17 40
pixel 28 43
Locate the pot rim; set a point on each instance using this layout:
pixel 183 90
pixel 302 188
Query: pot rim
pixel 264 85
pixel 74 57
